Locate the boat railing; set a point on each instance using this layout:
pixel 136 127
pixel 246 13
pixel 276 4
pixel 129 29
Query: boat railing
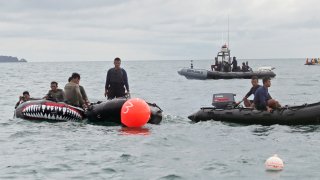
pixel 194 68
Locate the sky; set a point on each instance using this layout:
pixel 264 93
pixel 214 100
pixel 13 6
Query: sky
pixel 99 30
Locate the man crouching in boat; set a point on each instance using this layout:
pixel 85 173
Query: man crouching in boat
pixel 262 100
pixel 55 94
pixel 24 98
pixel 72 91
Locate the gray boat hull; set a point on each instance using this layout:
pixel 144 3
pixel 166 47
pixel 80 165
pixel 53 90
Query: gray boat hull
pixel 205 74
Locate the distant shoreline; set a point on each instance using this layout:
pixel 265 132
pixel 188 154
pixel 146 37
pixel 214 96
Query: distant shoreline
pixel 10 59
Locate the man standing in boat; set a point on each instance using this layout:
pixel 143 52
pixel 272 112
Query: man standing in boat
pixel 262 100
pixel 116 81
pixel 234 64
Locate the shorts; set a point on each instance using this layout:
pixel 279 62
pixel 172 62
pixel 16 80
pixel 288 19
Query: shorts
pixel 116 92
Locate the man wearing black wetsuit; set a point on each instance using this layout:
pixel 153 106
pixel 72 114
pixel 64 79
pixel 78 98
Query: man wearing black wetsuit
pixel 234 65
pixel 116 81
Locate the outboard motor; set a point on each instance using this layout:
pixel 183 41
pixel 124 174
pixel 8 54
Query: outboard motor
pixel 223 100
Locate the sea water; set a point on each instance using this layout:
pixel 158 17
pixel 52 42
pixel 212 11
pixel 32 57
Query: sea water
pixel 175 149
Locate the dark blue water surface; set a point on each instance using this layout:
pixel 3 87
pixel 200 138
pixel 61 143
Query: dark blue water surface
pixel 176 149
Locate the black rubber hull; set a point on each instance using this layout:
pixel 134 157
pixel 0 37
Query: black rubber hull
pixel 296 115
pixel 49 111
pixel 108 113
pixel 239 75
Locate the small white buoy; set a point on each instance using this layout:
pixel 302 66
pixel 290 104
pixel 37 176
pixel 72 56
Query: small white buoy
pixel 274 163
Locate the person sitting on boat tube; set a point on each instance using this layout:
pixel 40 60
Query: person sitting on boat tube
pixel 55 94
pixel 262 99
pixel 116 81
pixel 72 91
pixel 226 66
pixel 83 93
pixel 24 98
pixel 255 86
pixel 244 67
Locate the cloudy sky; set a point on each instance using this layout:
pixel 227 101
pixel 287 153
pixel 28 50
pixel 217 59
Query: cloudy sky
pixel 96 30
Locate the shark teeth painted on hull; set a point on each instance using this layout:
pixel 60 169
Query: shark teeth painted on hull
pixel 51 113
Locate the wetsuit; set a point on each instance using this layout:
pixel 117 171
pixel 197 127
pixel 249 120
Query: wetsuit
pixel 57 96
pixel 234 65
pixel 261 98
pixel 116 82
pixel 73 94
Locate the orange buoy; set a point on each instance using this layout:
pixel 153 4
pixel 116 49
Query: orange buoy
pixel 135 113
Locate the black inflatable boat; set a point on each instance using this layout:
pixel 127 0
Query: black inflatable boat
pixel 109 112
pixel 101 113
pixel 224 110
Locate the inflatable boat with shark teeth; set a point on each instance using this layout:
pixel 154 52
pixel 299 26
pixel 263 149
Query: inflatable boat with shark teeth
pixel 48 110
pixel 101 113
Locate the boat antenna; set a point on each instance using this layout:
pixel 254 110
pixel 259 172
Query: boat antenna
pixel 222 41
pixel 228 33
